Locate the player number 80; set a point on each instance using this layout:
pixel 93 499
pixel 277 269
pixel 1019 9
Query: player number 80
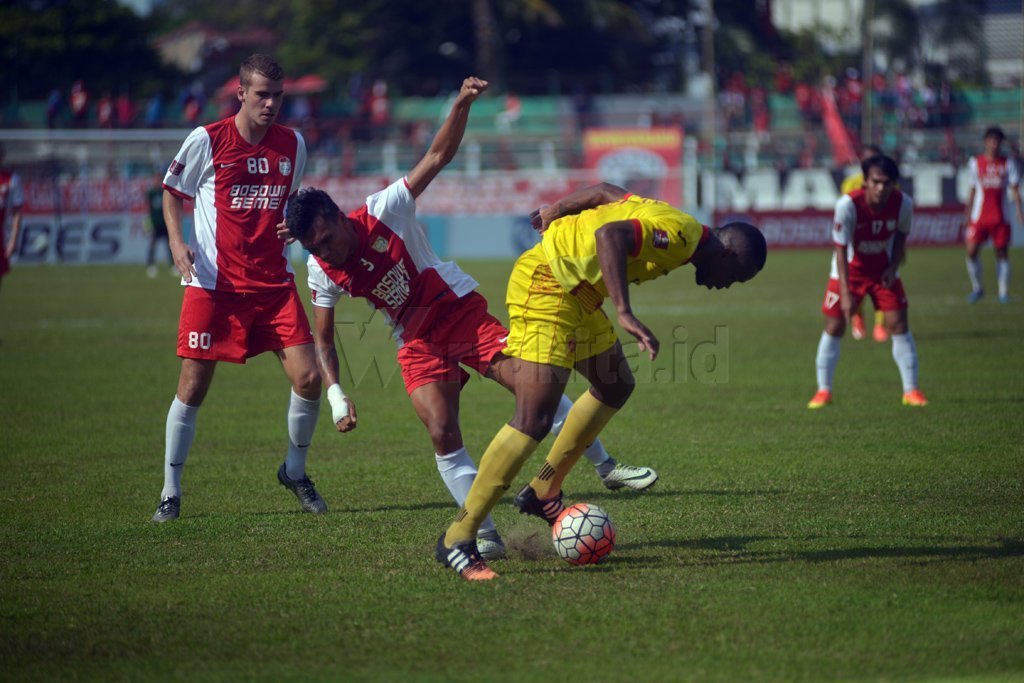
pixel 199 340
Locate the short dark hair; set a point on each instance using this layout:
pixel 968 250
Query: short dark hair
pixel 888 166
pixel 747 241
pixel 995 132
pixel 259 63
pixel 871 151
pixel 304 207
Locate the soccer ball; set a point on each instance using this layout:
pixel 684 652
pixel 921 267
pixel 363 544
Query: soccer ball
pixel 583 534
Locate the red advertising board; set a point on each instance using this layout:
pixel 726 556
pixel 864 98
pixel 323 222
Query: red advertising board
pixel 645 160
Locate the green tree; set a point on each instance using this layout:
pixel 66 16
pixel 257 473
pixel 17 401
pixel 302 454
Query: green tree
pixel 50 43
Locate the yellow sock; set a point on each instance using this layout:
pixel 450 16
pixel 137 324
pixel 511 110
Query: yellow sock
pixel 499 466
pixel 880 317
pixel 582 425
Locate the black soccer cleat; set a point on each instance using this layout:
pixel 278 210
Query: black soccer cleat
pixel 304 490
pixel 529 504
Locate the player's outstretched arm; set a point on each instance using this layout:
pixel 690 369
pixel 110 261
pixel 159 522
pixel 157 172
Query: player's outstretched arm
pixel 614 241
pixel 577 202
pixel 449 137
pixel 183 256
pixel 343 410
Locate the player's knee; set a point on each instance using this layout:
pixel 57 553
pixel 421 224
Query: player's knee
pixel 535 425
pixel 616 394
pixel 307 383
pixel 446 437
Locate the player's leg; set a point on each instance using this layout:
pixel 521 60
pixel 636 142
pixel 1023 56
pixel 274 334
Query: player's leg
pixel 857 327
pixel 827 357
pixel 611 383
pixel 194 381
pixel 893 301
pixel 880 334
pixel 299 364
pixel 974 267
pixel 437 406
pixel 1001 241
pixel 207 333
pixel 537 388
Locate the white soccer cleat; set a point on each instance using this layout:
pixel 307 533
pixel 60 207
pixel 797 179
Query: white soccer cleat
pixel 627 476
pixel 490 546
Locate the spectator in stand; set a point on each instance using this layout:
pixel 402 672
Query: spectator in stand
pixel 79 102
pixel 105 111
pixel 53 106
pixel 155 111
pixel 124 110
pixel 509 116
pixel 379 108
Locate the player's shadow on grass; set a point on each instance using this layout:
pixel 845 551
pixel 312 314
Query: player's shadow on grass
pixel 734 550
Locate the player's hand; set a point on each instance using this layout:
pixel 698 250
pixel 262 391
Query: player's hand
pixel 888 277
pixel 184 260
pixel 540 219
pixel 646 341
pixel 283 234
pixel 471 89
pixel 347 423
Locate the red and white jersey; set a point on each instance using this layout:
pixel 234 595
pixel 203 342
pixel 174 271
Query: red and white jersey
pixel 990 178
pixel 240 192
pixel 11 196
pixel 868 234
pixel 394 267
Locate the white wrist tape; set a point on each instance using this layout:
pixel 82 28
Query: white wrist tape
pixel 339 406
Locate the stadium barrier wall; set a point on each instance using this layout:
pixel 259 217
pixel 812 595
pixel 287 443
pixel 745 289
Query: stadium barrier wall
pixel 485 215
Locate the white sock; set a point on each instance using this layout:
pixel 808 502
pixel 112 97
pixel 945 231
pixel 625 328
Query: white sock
pixel 828 358
pixel 458 472
pixel 181 428
pixel 1003 273
pixel 904 352
pixel 974 272
pixel 595 453
pixel 302 416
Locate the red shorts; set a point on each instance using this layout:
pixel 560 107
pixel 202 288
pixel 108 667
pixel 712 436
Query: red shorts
pixel 1000 234
pixel 884 298
pixel 466 334
pixel 233 326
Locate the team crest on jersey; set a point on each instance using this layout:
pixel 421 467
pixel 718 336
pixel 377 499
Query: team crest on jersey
pixel 380 245
pixel 176 167
pixel 660 239
pixel 285 166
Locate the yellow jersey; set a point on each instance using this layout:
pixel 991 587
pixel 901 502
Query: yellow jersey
pixel 664 239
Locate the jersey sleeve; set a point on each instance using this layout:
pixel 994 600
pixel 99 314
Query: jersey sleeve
pixel 667 239
pixel 972 171
pixel 1013 173
pixel 395 199
pixel 15 193
pixel 300 162
pixel 187 168
pixel 906 215
pixel 845 221
pixel 324 291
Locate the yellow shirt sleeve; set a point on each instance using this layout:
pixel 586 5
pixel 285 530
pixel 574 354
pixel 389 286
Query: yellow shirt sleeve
pixel 851 183
pixel 666 238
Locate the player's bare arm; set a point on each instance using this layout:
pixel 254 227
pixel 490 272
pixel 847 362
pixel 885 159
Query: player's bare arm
pixel 899 254
pixel 183 256
pixel 614 241
pixel 16 215
pixel 449 137
pixel 843 267
pixel 327 361
pixel 967 205
pixel 1015 197
pixel 576 202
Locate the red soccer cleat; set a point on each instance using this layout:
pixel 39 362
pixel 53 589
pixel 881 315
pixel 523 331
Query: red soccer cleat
pixel 915 398
pixel 857 329
pixel 821 399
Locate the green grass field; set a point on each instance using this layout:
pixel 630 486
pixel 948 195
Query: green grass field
pixel 866 541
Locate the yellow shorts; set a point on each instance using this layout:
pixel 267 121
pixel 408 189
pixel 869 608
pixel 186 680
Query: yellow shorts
pixel 548 324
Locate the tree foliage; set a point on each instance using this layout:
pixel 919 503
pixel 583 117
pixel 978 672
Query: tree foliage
pixel 48 44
